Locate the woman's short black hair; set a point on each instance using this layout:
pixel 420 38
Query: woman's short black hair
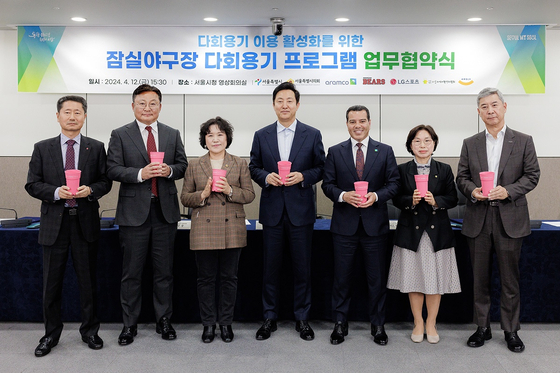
pixel 222 124
pixel 415 130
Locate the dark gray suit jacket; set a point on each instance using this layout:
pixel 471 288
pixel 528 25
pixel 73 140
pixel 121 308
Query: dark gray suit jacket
pixel 518 172
pixel 46 173
pixel 126 155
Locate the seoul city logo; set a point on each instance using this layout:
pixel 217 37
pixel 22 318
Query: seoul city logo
pixel 258 81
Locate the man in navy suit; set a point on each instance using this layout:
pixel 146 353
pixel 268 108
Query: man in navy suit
pixel 69 222
pixel 148 208
pixel 360 225
pixel 287 207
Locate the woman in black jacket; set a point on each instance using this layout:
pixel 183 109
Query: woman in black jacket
pixel 423 262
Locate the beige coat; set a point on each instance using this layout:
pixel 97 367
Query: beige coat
pixel 220 222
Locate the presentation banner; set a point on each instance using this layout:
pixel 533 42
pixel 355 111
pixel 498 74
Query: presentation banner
pixel 250 60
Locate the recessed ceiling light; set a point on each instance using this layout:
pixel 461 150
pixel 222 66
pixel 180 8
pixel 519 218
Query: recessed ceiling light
pixel 342 19
pixel 78 19
pixel 490 8
pixel 474 19
pixel 210 19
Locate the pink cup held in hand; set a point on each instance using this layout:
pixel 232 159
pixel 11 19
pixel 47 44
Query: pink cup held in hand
pixel 73 180
pixel 216 174
pixel 156 157
pixel 361 188
pixel 284 169
pixel 422 184
pixel 487 180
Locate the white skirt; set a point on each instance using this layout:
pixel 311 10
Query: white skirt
pixel 424 271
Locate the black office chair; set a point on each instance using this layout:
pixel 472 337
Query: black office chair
pixel 394 211
pixel 458 212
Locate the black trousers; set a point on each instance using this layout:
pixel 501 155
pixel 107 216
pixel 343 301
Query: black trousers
pixel 84 258
pixel 299 239
pixel 374 250
pixel 493 238
pixel 155 237
pixel 210 264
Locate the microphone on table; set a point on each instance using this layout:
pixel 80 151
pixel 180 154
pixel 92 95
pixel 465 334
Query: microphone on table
pixel 14 223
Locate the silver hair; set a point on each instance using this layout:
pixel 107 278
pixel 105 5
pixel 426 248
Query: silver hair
pixel 489 91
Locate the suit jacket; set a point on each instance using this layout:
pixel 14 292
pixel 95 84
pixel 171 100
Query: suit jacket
pixel 126 155
pixel 518 172
pixel 382 175
pixel 220 222
pixel 46 173
pixel 307 156
pixel 414 221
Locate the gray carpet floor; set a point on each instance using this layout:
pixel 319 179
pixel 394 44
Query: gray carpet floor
pixel 283 352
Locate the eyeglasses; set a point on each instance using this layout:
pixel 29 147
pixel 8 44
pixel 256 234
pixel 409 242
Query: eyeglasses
pixel 152 105
pixel 427 142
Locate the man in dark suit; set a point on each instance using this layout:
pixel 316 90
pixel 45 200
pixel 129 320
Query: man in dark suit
pixel 497 223
pixel 148 208
pixel 69 222
pixel 287 207
pixel 356 224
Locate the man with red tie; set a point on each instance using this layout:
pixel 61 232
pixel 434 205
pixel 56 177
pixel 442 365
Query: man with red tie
pixel 358 225
pixel 148 208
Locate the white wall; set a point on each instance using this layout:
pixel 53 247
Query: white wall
pixel 30 117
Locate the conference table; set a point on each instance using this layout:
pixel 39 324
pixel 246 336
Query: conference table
pixel 21 280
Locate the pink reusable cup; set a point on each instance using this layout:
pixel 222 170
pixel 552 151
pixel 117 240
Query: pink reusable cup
pixel 284 169
pixel 156 157
pixel 73 180
pixel 361 188
pixel 422 184
pixel 216 174
pixel 487 180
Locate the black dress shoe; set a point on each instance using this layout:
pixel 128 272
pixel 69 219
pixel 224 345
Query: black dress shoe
pixel 379 335
pixel 267 327
pixel 127 335
pixel 477 339
pixel 93 342
pixel 208 333
pixel 339 332
pixel 227 333
pixel 166 330
pixel 305 331
pixel 45 346
pixel 515 344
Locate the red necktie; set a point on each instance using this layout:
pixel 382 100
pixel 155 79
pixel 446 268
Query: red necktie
pixel 151 146
pixel 360 161
pixel 70 165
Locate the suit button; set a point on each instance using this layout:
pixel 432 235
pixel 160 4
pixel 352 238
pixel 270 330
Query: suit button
pixel 227 219
pixel 223 203
pixel 417 227
pixel 433 212
pixel 415 212
pixel 209 204
pixel 432 227
pixel 208 220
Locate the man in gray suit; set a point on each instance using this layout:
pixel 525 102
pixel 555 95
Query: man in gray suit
pixel 497 223
pixel 148 208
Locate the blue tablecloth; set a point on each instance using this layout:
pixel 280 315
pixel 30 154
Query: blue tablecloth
pixel 21 280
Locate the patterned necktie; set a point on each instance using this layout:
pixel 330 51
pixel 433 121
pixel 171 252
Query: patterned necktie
pixel 70 165
pixel 360 161
pixel 151 146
